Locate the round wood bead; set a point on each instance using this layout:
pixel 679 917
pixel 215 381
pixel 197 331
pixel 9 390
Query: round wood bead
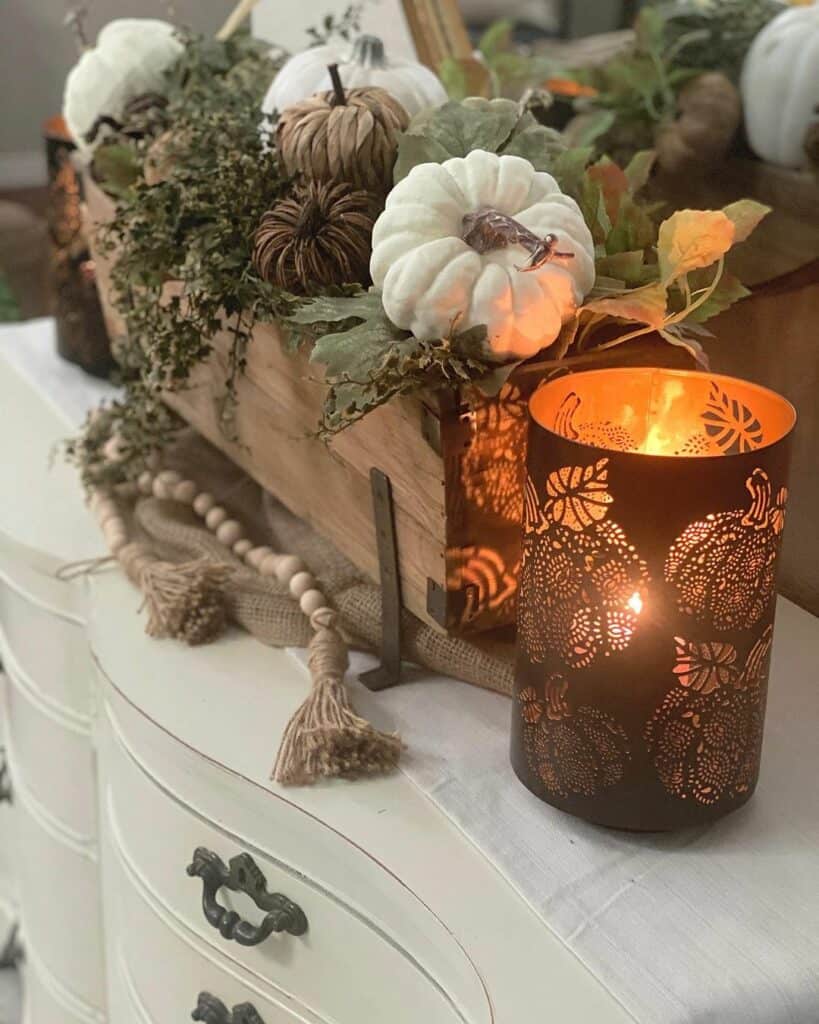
pixel 185 491
pixel 255 555
pixel 301 583
pixel 242 547
pixel 203 503
pixel 161 489
pixel 127 489
pixel 311 601
pixel 146 482
pixel 288 567
pixel 117 541
pixel 215 517
pixel 269 564
pixel 229 532
pixel 169 477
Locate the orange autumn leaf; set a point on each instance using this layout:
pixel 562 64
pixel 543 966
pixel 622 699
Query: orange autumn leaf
pixel 690 239
pixel 568 87
pixel 613 184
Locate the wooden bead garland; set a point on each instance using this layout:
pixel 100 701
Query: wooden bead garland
pixel 325 737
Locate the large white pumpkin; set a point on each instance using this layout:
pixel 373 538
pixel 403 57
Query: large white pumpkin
pixel 780 85
pixel 431 279
pixel 412 84
pixel 130 59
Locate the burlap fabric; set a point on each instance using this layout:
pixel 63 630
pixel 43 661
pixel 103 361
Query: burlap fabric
pixel 263 606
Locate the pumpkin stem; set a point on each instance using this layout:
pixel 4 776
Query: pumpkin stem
pixel 759 487
pixel 488 229
pixel 369 52
pixel 339 97
pixel 557 707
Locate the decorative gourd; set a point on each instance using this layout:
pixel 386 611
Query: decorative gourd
pixel 724 566
pixel 709 110
pixel 780 86
pixel 412 84
pixel 577 752
pixel 482 239
pixel 129 60
pixel 343 136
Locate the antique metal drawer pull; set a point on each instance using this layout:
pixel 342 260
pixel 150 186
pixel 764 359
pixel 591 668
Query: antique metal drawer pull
pixel 213 1011
pixel 243 875
pixel 5 784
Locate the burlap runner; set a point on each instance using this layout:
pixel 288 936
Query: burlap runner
pixel 264 608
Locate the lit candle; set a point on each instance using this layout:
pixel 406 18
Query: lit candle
pixel 654 510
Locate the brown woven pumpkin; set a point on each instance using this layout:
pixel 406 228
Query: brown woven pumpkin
pixel 709 110
pixel 318 236
pixel 343 136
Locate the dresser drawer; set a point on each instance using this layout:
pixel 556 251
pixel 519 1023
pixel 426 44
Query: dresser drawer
pixel 58 886
pixel 53 756
pixel 45 1001
pixel 346 967
pixel 160 967
pixel 48 648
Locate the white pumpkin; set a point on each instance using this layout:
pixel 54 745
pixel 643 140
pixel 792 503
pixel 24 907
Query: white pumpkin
pixel 130 59
pixel 412 84
pixel 431 279
pixel 780 86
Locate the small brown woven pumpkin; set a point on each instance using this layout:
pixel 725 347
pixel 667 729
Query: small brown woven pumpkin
pixel 338 136
pixel 709 110
pixel 318 236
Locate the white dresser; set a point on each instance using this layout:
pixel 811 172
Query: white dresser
pixel 159 874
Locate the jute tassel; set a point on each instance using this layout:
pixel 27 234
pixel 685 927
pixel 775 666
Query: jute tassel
pixel 325 737
pixel 186 601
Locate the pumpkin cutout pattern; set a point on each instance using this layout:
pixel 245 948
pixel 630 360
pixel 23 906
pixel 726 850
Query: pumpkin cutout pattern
pixel 724 566
pixel 492 466
pixel 582 582
pixel 598 433
pixel 706 735
pixel 572 752
pixel 488 583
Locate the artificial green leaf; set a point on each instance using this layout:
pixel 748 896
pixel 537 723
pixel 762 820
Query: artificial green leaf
pixel 593 207
pixel 729 290
pixel 569 166
pixel 463 77
pixel 646 305
pixel 584 129
pixel 117 167
pixel 638 170
pixel 496 39
pixel 627 266
pixel 633 230
pixel 690 239
pixel 538 144
pixel 745 215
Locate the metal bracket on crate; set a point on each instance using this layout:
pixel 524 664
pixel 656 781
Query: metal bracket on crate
pixel 388 673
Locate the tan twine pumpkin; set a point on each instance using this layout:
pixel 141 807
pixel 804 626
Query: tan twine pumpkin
pixel 343 137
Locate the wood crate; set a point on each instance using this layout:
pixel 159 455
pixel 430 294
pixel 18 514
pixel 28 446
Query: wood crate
pixel 455 464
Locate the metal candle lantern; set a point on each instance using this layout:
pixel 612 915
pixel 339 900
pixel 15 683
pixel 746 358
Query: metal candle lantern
pixel 81 334
pixel 654 510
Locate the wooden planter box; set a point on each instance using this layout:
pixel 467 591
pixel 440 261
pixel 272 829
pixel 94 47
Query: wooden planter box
pixel 454 461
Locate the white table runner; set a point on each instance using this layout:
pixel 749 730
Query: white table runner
pixel 718 925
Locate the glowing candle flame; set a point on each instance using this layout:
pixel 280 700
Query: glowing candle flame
pixel 635 602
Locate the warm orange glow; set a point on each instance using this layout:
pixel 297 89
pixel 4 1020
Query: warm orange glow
pixel 635 602
pixel 568 87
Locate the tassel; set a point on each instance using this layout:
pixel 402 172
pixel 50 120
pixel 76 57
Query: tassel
pixel 185 602
pixel 325 738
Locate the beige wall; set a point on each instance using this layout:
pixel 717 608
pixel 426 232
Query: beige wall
pixel 36 52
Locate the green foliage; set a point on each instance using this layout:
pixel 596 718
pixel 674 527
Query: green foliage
pixel 343 26
pixel 500 69
pixel 368 360
pixel 714 35
pixel 194 228
pixel 8 307
pixel 455 129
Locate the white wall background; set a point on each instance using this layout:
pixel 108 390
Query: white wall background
pixel 36 52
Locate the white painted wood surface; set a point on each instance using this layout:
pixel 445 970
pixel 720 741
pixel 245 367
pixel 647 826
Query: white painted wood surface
pixel 409 921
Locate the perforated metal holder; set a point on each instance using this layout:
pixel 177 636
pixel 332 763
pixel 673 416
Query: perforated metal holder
pixel 654 510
